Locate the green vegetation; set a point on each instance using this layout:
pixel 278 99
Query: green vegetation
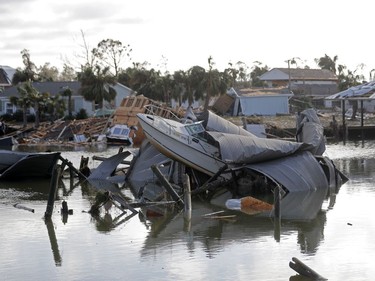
pixel 103 66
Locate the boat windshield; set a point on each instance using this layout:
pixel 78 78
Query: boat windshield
pixel 195 128
pixel 121 131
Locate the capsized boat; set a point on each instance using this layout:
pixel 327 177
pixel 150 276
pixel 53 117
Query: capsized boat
pixel 16 165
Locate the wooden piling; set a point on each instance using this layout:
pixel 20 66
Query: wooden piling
pixel 60 170
pixel 167 185
pixel 187 197
pixel 344 127
pixel 52 193
pixel 277 198
pixel 70 165
pixel 277 214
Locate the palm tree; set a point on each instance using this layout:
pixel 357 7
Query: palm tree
pixel 67 92
pixel 233 73
pixel 327 63
pixel 194 84
pixel 178 88
pixel 55 107
pixel 215 83
pixel 258 70
pixel 35 98
pixel 23 101
pixel 96 85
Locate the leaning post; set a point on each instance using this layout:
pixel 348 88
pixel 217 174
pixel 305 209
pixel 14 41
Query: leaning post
pixel 52 193
pixel 277 213
pixel 187 197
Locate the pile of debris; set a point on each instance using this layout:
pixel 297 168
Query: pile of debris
pixel 85 130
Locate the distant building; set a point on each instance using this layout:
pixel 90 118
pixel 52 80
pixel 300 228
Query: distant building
pixel 317 83
pixel 54 88
pixel 257 101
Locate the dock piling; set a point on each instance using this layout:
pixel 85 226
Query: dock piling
pixel 52 193
pixel 187 197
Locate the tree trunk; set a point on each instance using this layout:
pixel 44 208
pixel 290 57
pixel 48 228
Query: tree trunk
pixel 207 102
pixel 24 116
pixel 70 106
pixel 36 107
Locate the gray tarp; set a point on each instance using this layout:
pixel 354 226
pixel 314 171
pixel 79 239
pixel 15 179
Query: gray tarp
pixel 239 149
pixel 107 167
pixel 298 172
pixel 311 131
pixel 213 122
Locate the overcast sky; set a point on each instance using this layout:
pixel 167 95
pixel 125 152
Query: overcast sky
pixel 186 33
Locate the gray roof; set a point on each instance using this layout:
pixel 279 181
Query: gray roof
pixel 53 88
pixel 308 74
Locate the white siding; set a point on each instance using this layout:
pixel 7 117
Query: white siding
pixel 274 74
pixel 264 105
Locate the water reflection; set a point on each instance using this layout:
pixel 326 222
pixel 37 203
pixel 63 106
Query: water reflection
pixel 53 240
pixel 106 223
pixel 214 234
pixel 242 247
pixel 35 189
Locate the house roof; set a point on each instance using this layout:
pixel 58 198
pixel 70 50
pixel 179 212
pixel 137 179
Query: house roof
pixel 53 88
pixel 6 75
pixel 251 92
pixel 299 74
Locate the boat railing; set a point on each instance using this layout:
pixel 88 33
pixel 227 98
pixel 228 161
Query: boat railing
pixel 161 111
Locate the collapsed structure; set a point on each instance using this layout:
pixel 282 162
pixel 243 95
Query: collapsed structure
pixel 226 162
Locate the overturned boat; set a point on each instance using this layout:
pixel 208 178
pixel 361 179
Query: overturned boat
pixel 17 165
pixel 211 151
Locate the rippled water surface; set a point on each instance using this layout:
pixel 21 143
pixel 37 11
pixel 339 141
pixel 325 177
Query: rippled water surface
pixel 338 243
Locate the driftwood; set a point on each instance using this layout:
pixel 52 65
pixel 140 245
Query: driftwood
pixel 19 206
pixel 304 270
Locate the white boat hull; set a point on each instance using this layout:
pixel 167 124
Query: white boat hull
pixel 184 150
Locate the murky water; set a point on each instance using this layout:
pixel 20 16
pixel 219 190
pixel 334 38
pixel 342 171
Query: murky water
pixel 338 243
